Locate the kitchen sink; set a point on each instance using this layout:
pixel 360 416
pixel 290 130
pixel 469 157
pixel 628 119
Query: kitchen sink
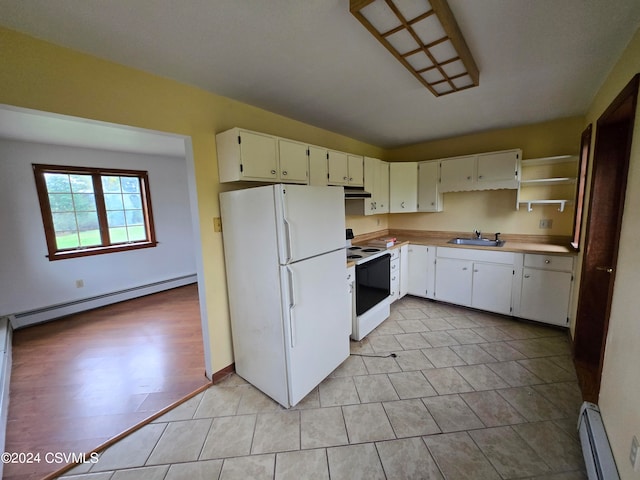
pixel 477 242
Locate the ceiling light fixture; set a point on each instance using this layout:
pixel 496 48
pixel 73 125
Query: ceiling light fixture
pixel 424 36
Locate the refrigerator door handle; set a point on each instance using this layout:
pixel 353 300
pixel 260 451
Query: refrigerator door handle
pixel 287 239
pixel 292 304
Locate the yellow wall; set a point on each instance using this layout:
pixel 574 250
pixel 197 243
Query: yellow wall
pixel 494 211
pixel 41 76
pixel 620 390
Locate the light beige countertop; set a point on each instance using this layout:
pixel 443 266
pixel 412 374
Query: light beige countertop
pixel 541 244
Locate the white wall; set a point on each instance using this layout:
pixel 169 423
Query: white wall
pixel 29 281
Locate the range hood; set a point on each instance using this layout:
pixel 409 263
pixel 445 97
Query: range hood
pixel 355 193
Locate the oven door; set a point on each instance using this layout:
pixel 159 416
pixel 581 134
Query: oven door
pixel 372 282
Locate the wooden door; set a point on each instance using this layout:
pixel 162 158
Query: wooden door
pixel 608 185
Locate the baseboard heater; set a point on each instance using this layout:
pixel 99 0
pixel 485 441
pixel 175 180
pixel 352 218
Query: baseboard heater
pixel 5 377
pixel 44 314
pixel 596 450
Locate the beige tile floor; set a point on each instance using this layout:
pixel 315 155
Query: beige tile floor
pixel 467 396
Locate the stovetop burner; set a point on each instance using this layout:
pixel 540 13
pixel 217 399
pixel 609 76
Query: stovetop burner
pixel 351 257
pixel 368 250
pixel 355 248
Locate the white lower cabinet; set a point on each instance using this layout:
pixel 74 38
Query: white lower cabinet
pixel 421 270
pixel 475 278
pixel 399 272
pixel 454 280
pixel 546 288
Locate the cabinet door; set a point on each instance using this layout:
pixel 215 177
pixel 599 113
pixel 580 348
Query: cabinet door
pixel 454 280
pixel 318 171
pixel 355 169
pixel 338 168
pixel 382 188
pixel 545 296
pixel 403 187
pixel 458 174
pixel 404 270
pixel 371 184
pixel 293 161
pixel 499 168
pixel 429 198
pixel 420 274
pixel 258 156
pixel 492 286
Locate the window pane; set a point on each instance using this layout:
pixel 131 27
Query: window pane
pixel 137 233
pixel 132 201
pixel 84 202
pixel 61 202
pixel 111 184
pixel 118 235
pixel 88 221
pixel 115 218
pixel 64 222
pixel 113 201
pixel 67 240
pixel 130 184
pixel 57 182
pixel 81 183
pixel 134 217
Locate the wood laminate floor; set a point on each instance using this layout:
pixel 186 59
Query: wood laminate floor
pixel 79 381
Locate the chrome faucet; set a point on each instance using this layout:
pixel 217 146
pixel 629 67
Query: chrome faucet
pixel 478 234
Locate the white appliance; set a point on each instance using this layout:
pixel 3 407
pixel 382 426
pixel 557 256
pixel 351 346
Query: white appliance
pixel 373 288
pixel 285 259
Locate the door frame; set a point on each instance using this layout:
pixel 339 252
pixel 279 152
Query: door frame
pixel 588 367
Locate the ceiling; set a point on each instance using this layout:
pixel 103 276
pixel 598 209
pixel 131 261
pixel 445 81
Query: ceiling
pixel 314 62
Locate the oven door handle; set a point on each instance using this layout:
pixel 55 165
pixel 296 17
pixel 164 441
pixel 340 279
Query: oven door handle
pixel 292 304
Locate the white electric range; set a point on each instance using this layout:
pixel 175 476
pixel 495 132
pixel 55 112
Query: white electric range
pixel 373 288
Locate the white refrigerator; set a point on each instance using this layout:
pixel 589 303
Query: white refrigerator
pixel 286 271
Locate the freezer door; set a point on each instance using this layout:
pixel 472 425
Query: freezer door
pixel 316 321
pixel 311 221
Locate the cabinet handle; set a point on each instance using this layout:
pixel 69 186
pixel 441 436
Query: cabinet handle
pixel 402 204
pixel 351 179
pixel 527 276
pixel 469 178
pixel 464 268
pixel 284 172
pixel 479 176
pixel 475 271
pixel 273 172
pixel 345 178
pixel 547 261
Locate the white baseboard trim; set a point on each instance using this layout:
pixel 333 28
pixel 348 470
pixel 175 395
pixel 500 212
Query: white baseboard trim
pixel 32 317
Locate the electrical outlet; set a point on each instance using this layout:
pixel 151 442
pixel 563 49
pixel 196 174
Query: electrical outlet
pixel 79 283
pixel 545 223
pixel 634 455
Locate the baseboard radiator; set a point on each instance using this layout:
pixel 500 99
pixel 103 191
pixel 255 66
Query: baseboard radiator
pixel 40 315
pixel 596 450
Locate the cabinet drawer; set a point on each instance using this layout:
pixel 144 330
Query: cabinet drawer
pixel 395 266
pixel 549 262
pixel 477 255
pixel 395 253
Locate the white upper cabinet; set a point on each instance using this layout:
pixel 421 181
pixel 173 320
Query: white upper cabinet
pixel 355 169
pixel 403 187
pixel 458 173
pixel 485 171
pixel 246 155
pixel 499 169
pixel 429 196
pixel 345 169
pixel 293 163
pixel 318 169
pixel 376 182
